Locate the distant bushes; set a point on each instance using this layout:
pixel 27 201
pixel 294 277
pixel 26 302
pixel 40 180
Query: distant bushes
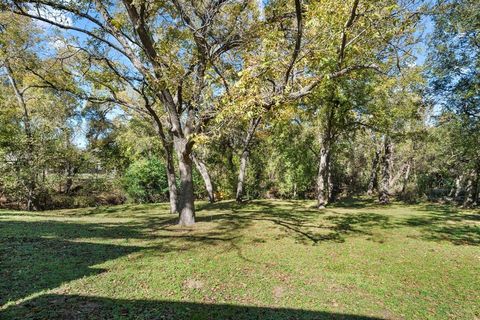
pixel 146 181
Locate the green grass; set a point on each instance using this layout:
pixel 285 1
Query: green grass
pixel 261 260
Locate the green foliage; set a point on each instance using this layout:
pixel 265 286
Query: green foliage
pixel 145 181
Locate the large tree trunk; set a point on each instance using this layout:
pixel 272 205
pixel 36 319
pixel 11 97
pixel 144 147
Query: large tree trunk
pixel 202 168
pixel 241 174
pixel 384 194
pixel 373 181
pixel 244 157
pixel 186 206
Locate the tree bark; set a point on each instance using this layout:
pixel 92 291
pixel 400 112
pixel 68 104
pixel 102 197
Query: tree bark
pixel 168 149
pixel 241 174
pixel 384 194
pixel 322 176
pixel 331 196
pixel 186 206
pixel 406 176
pixel 457 189
pixel 472 188
pixel 171 180
pixel 202 168
pixel 244 157
pixel 469 191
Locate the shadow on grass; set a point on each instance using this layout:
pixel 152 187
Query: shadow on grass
pixel 42 255
pixel 446 223
pixel 308 225
pixel 80 307
pixel 297 220
pixel 29 265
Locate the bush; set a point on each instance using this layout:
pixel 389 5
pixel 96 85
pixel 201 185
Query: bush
pixel 146 181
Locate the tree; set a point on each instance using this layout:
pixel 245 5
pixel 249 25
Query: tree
pixel 455 87
pixel 33 139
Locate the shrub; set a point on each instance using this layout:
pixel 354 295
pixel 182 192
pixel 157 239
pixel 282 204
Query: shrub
pixel 146 181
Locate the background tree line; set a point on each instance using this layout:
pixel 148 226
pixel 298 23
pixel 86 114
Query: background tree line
pixel 105 102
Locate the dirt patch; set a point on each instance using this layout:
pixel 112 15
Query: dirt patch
pixel 278 292
pixel 193 284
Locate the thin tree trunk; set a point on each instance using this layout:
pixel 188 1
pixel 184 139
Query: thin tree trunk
pixel 186 206
pixel 168 148
pixel 244 157
pixel 171 180
pixel 458 187
pixel 469 191
pixel 476 186
pixel 472 188
pixel 406 176
pixel 241 174
pixel 322 176
pixel 202 168
pixel 373 181
pixel 31 184
pixel 384 193
pixel 331 196
pixel 69 180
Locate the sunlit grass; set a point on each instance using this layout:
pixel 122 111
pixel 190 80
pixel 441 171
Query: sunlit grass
pixel 353 259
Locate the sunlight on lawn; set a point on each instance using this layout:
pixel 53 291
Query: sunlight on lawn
pixel 265 260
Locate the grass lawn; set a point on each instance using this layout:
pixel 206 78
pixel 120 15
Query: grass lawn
pixel 261 260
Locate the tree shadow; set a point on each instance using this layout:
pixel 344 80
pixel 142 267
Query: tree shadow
pixel 42 255
pixel 308 225
pixel 446 223
pixel 30 265
pixel 356 203
pixel 298 220
pixel 82 307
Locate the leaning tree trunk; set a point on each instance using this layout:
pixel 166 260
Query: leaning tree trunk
pixel 168 148
pixel 186 206
pixel 383 195
pixel 202 168
pixel 171 180
pixel 373 181
pixel 244 157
